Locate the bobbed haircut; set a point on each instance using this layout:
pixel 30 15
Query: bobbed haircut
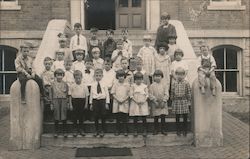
pixel 77 73
pixel 178 51
pixel 138 76
pixel 58 71
pixel 77 25
pixel 120 73
pixel 158 73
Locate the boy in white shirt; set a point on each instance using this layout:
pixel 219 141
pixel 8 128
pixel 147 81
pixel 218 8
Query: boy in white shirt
pixel 97 60
pixel 59 62
pixel 68 74
pixel 127 44
pixel 79 63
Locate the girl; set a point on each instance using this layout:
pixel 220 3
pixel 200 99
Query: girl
pixel 59 62
pixel 128 74
pixel 120 92
pixel 172 46
pixel 139 68
pixel 180 95
pixel 158 95
pixel 139 105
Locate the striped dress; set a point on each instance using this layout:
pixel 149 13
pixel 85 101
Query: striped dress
pixel 181 97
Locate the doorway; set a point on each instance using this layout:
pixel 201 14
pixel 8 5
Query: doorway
pixel 100 14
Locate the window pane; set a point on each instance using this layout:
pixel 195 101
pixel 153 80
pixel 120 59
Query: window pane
pixel 231 61
pixel 136 3
pixel 220 77
pixel 1 60
pixel 1 83
pixel 9 79
pixel 219 58
pixel 231 81
pixel 123 3
pixel 9 60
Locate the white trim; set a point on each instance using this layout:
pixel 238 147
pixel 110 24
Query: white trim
pixel 226 5
pixel 6 5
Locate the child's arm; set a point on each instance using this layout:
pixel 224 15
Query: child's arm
pixel 86 97
pixel 52 102
pixel 70 103
pixel 188 93
pixel 91 97
pixel 107 97
pixel 114 56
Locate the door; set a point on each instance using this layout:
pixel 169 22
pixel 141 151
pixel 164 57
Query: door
pixel 131 14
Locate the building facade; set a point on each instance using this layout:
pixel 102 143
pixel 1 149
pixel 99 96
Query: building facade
pixel 223 24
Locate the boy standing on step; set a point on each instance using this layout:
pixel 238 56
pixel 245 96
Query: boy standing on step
pixel 109 45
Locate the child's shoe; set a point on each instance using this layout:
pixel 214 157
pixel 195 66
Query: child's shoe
pixel 178 133
pixel 55 135
pixel 203 90
pixel 117 133
pixel 155 132
pixel 164 133
pixel 65 135
pixel 126 133
pixel 82 133
pixel 184 133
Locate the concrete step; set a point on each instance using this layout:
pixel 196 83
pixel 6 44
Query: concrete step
pixel 109 140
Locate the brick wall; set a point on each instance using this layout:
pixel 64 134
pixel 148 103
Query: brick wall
pixel 179 9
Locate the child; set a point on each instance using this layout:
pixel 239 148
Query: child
pixel 62 38
pixel 158 95
pixel 79 63
pixel 165 30
pixel 140 69
pixel 147 54
pixel 99 101
pixel 59 62
pixel 68 75
pixel 206 70
pixel 78 100
pixel 129 77
pixel 163 63
pixel 178 62
pixel 180 96
pixel 172 46
pixel 117 55
pixel 78 41
pixel 109 75
pixel 94 42
pixel 127 44
pixel 59 101
pixel 139 106
pixel 97 61
pixel 23 65
pixel 120 92
pixel 109 45
pixel 48 78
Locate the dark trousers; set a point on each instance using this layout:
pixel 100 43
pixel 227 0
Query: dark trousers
pixel 181 126
pixel 23 80
pixel 78 113
pixel 144 123
pixel 163 123
pixel 99 113
pixel 62 129
pixel 121 121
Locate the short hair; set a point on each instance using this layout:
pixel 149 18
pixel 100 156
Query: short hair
pixel 78 25
pixel 60 51
pixel 88 59
pixel 79 51
pixel 77 73
pixel 95 49
pixel 162 45
pixel 124 58
pixel 180 70
pixel 108 60
pixel 111 31
pixel 158 73
pixel 138 76
pixel 93 30
pixel 120 73
pixel 178 51
pixel 98 71
pixel 47 59
pixel 165 15
pixel 58 71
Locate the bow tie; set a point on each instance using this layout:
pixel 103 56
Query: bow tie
pixel 87 71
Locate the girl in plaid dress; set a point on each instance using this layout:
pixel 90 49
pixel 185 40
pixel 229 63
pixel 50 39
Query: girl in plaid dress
pixel 180 95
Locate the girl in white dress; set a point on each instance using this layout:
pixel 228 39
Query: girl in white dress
pixel 139 106
pixel 120 92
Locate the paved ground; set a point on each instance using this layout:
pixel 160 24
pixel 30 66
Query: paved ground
pixel 236 146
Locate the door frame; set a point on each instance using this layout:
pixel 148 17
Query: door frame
pixel 77 12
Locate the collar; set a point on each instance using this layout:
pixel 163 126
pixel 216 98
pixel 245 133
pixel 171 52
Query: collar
pixel 142 71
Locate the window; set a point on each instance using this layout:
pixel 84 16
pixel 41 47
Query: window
pixel 123 3
pixel 136 3
pixel 226 5
pixel 228 68
pixel 7 68
pixel 9 5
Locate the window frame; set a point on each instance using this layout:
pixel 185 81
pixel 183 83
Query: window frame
pixel 9 5
pixel 225 5
pixel 238 70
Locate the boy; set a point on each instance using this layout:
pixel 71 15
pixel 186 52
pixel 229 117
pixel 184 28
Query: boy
pixel 68 77
pixel 97 61
pixel 94 41
pixel 118 54
pixel 62 38
pixel 165 30
pixel 79 63
pixel 109 45
pixel 59 62
pixel 206 69
pixel 127 44
pixel 99 101
pixel 78 41
pixel 78 100
pixel 147 54
pixel 23 65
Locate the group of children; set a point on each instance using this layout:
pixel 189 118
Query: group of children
pixel 91 77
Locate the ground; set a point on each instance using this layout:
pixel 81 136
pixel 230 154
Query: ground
pixel 236 144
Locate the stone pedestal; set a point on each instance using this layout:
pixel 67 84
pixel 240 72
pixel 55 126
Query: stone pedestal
pixel 207 111
pixel 25 119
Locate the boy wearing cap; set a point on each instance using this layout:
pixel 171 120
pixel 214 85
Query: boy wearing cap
pixel 165 30
pixel 79 63
pixel 94 41
pixel 109 45
pixel 23 65
pixel 78 40
pixel 62 38
pixel 147 54
pixel 118 54
pixel 127 44
pixel 59 62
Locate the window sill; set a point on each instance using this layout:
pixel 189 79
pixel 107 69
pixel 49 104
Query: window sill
pixel 226 7
pixel 9 6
